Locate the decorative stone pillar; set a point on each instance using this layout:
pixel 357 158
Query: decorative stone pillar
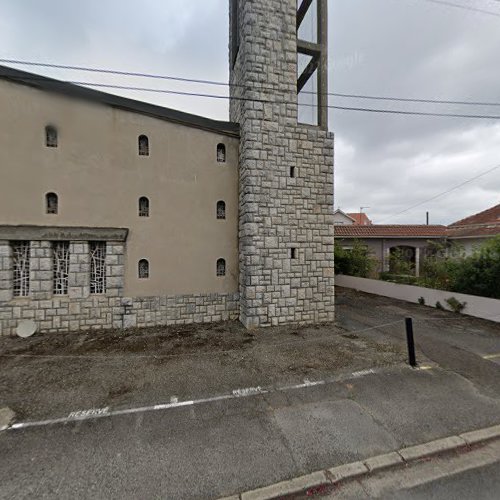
pixel 41 270
pixel 79 270
pixel 115 268
pixel 6 277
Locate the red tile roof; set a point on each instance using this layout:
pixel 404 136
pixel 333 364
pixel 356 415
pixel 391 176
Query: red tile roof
pixel 390 231
pixel 360 218
pixel 483 230
pixel 492 215
pixel 483 224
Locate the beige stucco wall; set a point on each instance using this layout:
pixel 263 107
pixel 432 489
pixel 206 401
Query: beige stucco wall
pixel 99 177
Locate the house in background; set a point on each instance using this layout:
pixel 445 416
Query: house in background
pixel 383 240
pixel 342 219
pixel 472 231
pixel 350 219
pixel 411 241
pixel 360 218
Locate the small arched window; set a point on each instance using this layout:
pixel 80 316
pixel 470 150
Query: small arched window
pixel 221 153
pixel 51 203
pixel 221 267
pixel 143 145
pixel 51 136
pixel 221 210
pixel 143 270
pixel 143 207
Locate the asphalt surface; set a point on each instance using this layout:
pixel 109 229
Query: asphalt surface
pixel 218 448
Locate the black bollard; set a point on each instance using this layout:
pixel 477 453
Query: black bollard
pixel 411 342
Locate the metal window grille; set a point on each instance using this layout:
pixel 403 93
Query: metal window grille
pixel 97 267
pixel 221 153
pixel 52 203
pixel 143 207
pixel 21 255
pixel 60 257
pixel 143 145
pixel 221 267
pixel 51 137
pixel 221 210
pixel 143 269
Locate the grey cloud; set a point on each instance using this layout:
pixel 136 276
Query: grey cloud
pixel 408 48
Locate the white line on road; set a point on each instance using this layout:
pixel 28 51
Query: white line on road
pixel 96 413
pixel 491 356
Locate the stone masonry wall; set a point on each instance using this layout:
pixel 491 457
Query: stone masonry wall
pixel 279 212
pixel 78 310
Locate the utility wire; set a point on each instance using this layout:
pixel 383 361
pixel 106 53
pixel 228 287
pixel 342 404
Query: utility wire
pixel 226 84
pixel 454 188
pixel 464 7
pixel 269 101
pixel 407 99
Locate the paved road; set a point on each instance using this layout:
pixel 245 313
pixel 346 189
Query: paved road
pixel 457 476
pixel 221 447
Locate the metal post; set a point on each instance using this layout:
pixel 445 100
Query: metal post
pixel 411 343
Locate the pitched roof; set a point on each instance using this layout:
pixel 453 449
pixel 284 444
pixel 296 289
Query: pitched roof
pixel 478 231
pixel 338 211
pixel 491 215
pixel 144 108
pixel 485 223
pixel 390 231
pixel 360 218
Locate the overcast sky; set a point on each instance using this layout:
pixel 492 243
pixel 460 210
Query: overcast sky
pixel 402 48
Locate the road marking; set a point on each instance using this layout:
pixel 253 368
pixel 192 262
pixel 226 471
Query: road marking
pixel 97 413
pixel 491 356
pixel 363 373
pixel 249 391
pixel 425 367
pixel 89 413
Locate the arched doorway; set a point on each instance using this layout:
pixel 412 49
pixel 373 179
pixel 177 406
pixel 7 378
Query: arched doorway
pixel 402 260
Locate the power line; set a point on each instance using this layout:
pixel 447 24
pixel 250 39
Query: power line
pixel 330 106
pixel 409 99
pixel 454 188
pixel 270 101
pixel 264 101
pixel 464 7
pixel 226 84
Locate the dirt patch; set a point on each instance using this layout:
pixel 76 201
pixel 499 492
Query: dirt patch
pixel 53 374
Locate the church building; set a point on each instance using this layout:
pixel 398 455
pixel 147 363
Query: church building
pixel 116 213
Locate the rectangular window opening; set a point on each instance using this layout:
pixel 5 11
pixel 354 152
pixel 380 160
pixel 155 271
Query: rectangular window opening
pixel 60 257
pixel 21 262
pixel 292 172
pixel 293 253
pixel 97 267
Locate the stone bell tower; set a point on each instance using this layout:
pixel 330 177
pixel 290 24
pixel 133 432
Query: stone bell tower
pixel 286 167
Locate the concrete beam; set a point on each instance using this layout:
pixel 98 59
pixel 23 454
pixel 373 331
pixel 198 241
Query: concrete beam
pixel 61 233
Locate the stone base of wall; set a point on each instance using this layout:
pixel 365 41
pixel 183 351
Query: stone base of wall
pixel 64 314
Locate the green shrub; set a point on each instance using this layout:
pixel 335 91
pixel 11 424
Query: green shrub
pixel 356 261
pixel 399 263
pixel 456 305
pixel 479 274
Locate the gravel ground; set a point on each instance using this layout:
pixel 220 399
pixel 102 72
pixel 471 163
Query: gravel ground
pixel 51 375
